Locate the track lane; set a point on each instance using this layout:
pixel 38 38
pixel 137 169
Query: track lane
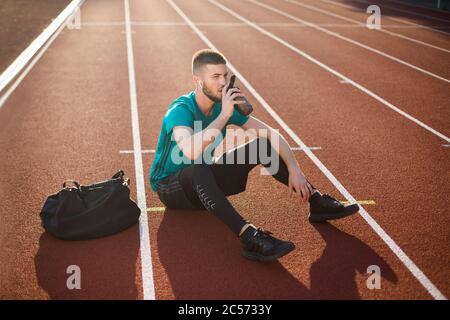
pixel 362 137
pixel 67 119
pixel 424 14
pixel 426 58
pixel 171 229
pixel 374 72
pixel 330 260
pixel 436 37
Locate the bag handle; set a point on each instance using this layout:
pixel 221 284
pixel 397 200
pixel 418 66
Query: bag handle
pixel 119 174
pixel 77 185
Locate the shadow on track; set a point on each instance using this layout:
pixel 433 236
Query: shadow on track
pixel 333 274
pixel 108 266
pixel 202 259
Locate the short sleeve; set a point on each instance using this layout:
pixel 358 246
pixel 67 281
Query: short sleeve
pixel 178 116
pixel 237 118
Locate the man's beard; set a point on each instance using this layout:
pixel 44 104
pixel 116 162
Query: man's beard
pixel 209 94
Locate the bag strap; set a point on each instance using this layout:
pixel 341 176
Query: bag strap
pixel 119 175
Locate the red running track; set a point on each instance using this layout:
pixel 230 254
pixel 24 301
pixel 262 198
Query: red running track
pixel 70 117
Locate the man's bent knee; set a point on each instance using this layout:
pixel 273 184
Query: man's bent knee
pixel 201 169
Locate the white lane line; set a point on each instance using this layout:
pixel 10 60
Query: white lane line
pixel 356 43
pixel 360 24
pixel 310 148
pixel 446 145
pixel 403 10
pixel 14 68
pixel 366 202
pixel 336 3
pixel 30 65
pixel 146 256
pixel 239 24
pixel 145 151
pixel 332 71
pixel 410 265
pixel 150 151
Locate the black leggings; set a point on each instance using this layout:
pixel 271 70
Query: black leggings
pixel 206 186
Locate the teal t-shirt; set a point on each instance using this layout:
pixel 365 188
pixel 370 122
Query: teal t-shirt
pixel 184 112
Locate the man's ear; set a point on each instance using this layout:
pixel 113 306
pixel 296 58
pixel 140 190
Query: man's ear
pixel 198 80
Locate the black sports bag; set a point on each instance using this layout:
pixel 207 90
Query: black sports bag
pixel 87 212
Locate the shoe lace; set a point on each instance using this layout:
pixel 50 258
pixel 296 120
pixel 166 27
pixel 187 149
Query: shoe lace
pixel 263 233
pixel 331 202
pixel 262 239
pixel 325 195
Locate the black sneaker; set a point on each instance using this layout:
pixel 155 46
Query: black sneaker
pixel 258 244
pixel 325 207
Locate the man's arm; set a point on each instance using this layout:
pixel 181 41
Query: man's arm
pixel 297 180
pixel 192 144
pixel 264 130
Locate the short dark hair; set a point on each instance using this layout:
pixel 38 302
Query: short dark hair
pixel 206 56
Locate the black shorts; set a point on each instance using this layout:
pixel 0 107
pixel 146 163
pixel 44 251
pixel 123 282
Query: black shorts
pixel 176 191
pixel 172 194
